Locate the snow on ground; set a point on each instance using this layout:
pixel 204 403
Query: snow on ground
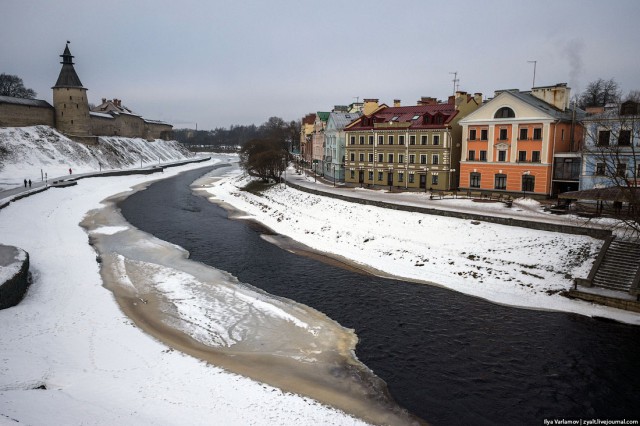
pixel 29 152
pixel 504 264
pixel 68 355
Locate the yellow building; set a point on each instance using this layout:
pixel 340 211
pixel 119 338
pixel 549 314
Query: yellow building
pixel 410 147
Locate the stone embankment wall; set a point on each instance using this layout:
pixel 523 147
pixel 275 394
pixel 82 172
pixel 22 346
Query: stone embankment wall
pixel 542 226
pixel 25 115
pixel 13 285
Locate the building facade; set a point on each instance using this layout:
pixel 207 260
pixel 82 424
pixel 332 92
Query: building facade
pixel 317 140
pixel 410 147
pixel 306 134
pixel 334 146
pixel 511 142
pixel 611 154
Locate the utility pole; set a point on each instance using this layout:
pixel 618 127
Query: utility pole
pixel 455 80
pixel 534 72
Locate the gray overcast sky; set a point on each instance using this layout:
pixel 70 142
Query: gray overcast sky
pixel 218 63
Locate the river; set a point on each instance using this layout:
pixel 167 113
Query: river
pixel 448 358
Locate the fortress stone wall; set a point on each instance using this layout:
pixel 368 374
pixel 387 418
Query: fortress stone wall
pixel 71 115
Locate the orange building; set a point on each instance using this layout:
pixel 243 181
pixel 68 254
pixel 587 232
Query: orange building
pixel 509 144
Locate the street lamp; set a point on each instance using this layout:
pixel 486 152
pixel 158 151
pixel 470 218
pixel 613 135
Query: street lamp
pixel 426 173
pixel 451 186
pixel 524 184
pixel 334 174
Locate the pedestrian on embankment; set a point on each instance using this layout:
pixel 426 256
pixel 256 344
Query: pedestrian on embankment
pixel 25 183
pixel 29 183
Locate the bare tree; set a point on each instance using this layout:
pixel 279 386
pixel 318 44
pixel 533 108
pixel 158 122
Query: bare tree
pixel 600 93
pixel 264 158
pixel 612 161
pixel 12 85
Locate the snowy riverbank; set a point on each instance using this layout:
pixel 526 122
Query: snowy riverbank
pixel 70 355
pixel 503 264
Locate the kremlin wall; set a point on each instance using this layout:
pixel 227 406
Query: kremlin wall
pixel 71 115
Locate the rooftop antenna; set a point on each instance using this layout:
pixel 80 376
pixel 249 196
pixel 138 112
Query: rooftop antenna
pixel 534 72
pixel 357 98
pixel 455 81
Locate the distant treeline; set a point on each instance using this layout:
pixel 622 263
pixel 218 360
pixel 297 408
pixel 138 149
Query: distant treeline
pixel 236 136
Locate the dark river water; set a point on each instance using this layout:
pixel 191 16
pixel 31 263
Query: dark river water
pixel 448 358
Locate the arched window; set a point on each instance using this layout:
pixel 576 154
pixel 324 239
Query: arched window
pixel 505 112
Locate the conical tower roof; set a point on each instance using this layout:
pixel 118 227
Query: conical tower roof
pixel 68 76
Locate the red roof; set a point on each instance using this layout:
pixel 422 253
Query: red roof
pixel 420 117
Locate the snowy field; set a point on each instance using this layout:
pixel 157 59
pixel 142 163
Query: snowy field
pixel 503 264
pixel 69 355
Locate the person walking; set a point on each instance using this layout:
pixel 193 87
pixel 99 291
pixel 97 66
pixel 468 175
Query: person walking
pixel 25 183
pixel 29 183
pixel 69 170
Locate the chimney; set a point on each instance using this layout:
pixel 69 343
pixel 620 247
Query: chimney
pixel 425 100
pixel 104 100
pixel 370 105
pixel 396 103
pixel 478 98
pixel 558 95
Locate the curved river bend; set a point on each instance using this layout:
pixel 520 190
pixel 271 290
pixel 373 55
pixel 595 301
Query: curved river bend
pixel 448 358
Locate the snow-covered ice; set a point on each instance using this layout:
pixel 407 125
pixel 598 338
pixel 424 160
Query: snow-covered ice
pixel 503 264
pixel 68 354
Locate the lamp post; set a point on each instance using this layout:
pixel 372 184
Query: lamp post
pixel 451 186
pixel 524 186
pixel 334 174
pixel 426 173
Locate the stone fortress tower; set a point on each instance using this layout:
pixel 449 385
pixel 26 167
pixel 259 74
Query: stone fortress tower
pixel 70 100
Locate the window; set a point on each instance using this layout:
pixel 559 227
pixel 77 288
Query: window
pixel 411 176
pixel 400 158
pixel 537 134
pixel 412 140
pixel 599 169
pixel 624 139
pixel 524 134
pixel 380 158
pixel 621 170
pixel 439 119
pixel 436 139
pixel 412 158
pixel 353 140
pixel 562 134
pixel 371 157
pixel 484 134
pixel 371 176
pixel 400 177
pixel 522 156
pixel 415 117
pixel 535 156
pixel 483 155
pixel 528 183
pixel 502 155
pixel 353 174
pixel 501 181
pixel 380 140
pixel 380 176
pixel 370 139
pixel 352 156
pixel 423 159
pixel 472 156
pixel 401 140
pixel 434 159
pixel 472 134
pixel 504 112
pixel 423 140
pixel 361 157
pixel 434 179
pixel 361 140
pixel 390 139
pixel 474 180
pixel 503 135
pixel 390 158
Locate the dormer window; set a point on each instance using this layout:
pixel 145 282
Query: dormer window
pixel 395 118
pixel 426 119
pixel 415 117
pixel 505 112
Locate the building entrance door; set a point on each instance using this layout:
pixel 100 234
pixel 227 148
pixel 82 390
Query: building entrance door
pixel 423 181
